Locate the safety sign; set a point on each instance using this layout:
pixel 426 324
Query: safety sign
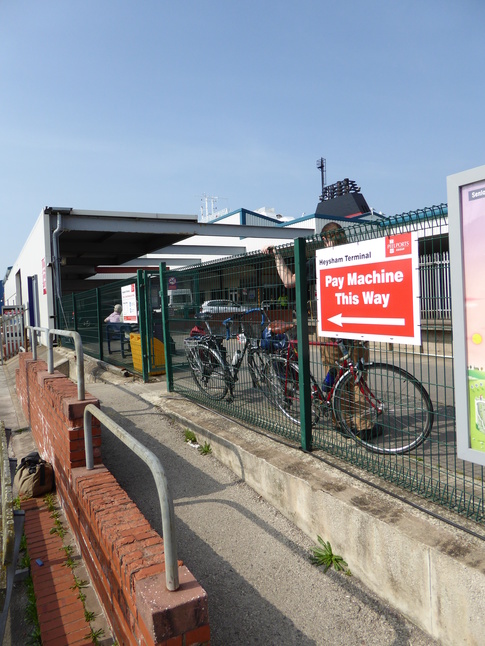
pixel 370 290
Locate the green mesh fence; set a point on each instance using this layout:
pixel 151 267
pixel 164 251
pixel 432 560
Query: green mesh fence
pixel 116 342
pixel 203 372
pixel 221 313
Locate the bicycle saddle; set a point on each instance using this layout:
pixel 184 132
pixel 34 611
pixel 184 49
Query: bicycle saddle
pixel 280 327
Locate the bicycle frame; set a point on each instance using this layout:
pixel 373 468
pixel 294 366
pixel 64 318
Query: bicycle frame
pixel 345 365
pixel 235 366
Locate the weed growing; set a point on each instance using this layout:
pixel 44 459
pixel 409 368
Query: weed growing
pixel 190 436
pixel 324 556
pixel 206 449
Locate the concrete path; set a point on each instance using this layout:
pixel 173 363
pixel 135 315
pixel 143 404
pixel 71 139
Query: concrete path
pixel 253 563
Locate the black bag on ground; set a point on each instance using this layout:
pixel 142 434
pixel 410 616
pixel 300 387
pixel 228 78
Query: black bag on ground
pixel 34 476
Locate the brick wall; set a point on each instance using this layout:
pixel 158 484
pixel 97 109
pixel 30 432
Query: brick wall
pixel 123 553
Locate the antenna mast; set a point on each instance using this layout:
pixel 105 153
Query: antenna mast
pixel 208 208
pixel 322 166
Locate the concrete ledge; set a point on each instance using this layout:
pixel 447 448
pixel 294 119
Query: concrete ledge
pixel 431 572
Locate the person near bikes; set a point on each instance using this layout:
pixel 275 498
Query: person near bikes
pixel 332 234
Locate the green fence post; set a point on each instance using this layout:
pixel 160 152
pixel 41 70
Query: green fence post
pixel 166 326
pixel 303 345
pixel 144 333
pixel 100 323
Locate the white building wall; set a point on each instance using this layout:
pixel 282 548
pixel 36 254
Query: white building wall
pixel 34 253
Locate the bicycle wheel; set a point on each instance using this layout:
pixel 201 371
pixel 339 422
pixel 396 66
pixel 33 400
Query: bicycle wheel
pixel 208 370
pixel 387 410
pixel 257 361
pixel 282 387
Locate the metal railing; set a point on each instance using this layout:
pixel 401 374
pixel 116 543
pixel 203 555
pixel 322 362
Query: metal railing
pixel 78 345
pixel 166 503
pixel 154 464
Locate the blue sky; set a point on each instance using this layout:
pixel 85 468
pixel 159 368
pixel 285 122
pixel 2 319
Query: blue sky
pixel 147 106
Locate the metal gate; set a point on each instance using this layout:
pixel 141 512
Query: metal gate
pixel 12 331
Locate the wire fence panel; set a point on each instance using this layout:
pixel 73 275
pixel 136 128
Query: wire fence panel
pixel 86 312
pixel 225 290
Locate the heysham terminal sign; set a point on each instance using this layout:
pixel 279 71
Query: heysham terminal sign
pixel 370 290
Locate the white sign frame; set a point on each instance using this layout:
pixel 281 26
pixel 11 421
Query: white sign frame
pixel 468 308
pixel 129 304
pixel 392 259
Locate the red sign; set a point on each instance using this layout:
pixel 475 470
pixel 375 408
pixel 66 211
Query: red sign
pixel 172 282
pixel 370 290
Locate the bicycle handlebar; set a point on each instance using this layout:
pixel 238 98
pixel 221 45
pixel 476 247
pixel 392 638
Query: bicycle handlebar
pixel 239 315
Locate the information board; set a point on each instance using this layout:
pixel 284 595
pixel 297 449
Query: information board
pixel 128 299
pixel 370 290
pixel 466 215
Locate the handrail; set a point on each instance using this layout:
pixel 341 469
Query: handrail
pixel 78 345
pixel 151 460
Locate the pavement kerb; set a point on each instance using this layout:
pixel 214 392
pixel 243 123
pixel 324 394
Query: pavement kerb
pixel 431 572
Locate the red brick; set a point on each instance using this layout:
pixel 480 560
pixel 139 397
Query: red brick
pixel 175 641
pixel 198 636
pixel 78 638
pixel 51 622
pixel 109 527
pixel 53 606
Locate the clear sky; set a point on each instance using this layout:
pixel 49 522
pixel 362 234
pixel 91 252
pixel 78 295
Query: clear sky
pixel 148 105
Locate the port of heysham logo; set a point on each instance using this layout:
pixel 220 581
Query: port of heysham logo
pixel 398 245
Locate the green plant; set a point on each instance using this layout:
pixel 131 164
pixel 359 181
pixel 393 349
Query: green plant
pixel 58 529
pixel 95 636
pixel 24 561
pixel 50 502
pixel 324 556
pixel 190 436
pixel 79 584
pixel 31 614
pixel 206 449
pixel 68 550
pixel 35 638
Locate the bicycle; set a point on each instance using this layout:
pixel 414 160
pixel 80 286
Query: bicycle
pixel 207 356
pixel 392 405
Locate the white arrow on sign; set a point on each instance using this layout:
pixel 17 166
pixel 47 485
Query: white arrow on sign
pixel 341 320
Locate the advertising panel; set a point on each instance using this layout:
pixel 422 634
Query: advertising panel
pixel 370 290
pixel 466 212
pixel 128 299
